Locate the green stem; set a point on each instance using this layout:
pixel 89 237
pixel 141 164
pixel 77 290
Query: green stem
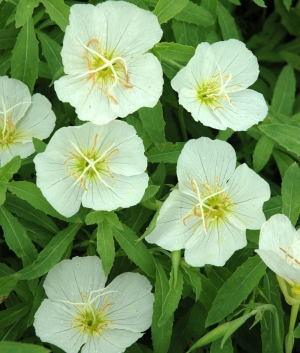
pixel 176 257
pixel 152 206
pixel 289 340
pixel 182 123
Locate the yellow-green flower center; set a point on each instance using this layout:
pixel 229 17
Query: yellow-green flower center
pixel 89 165
pixel 213 204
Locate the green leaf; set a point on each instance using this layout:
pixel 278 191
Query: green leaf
pixel 150 192
pixel 24 210
pixel 15 347
pixel 193 13
pixel 25 57
pixel 7 284
pixel 105 245
pixel 193 278
pixel 236 289
pixel 224 135
pixel 37 301
pixel 292 59
pixel 33 195
pixel 137 252
pixel 227 23
pixel 173 297
pixel 51 254
pixel 10 168
pixel 287 136
pixel 208 293
pixel 113 220
pixel 3 189
pixel 161 335
pixel 10 316
pixel 58 11
pixel 284 92
pixel 8 38
pixel 39 145
pixel 260 3
pixel 297 331
pixel 154 124
pixel 287 4
pixel 169 154
pixel 167 9
pixel 51 51
pixel 24 11
pixel 283 161
pixel 186 34
pixel 94 217
pixel 262 153
pixel 16 237
pixel 5 61
pixel 291 193
pixel 173 56
pixel 272 206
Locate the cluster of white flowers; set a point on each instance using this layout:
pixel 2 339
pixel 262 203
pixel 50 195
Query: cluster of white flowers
pixel 101 165
pixel 81 311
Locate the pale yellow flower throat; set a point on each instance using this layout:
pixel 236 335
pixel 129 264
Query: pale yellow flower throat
pixel 103 69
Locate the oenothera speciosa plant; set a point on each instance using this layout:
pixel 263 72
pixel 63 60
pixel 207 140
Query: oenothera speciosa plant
pixel 108 72
pixel 81 312
pixel 214 205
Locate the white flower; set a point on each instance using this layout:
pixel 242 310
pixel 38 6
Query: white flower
pixel 81 311
pixel 212 87
pixel 215 203
pixel 279 248
pixel 108 73
pixel 21 118
pixel 100 166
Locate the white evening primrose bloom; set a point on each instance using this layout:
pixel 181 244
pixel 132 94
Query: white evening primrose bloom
pixel 81 312
pixel 279 248
pixel 21 118
pixel 101 167
pixel 108 72
pixel 213 86
pixel 214 204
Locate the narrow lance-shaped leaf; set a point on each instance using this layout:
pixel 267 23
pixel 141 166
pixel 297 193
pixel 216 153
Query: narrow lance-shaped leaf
pixel 7 284
pixel 16 347
pixel 11 315
pixel 196 14
pixel 51 254
pixel 227 24
pixel 154 124
pixel 51 51
pixel 16 237
pixel 167 9
pixel 291 193
pixel 287 136
pixel 137 252
pixel 284 92
pixel 169 154
pixel 236 289
pixel 262 153
pixel 24 11
pixel 105 245
pixel 25 58
pixel 33 195
pixel 58 11
pixel 173 297
pixel 161 335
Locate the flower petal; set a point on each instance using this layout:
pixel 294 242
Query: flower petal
pixel 216 245
pixel 39 120
pixel 69 278
pixel 207 162
pixel 133 302
pixel 53 324
pixel 111 341
pixel 232 57
pixel 170 232
pixel 246 109
pixel 90 102
pixel 146 78
pixel 56 184
pixel 136 32
pixel 123 191
pixel 14 93
pixel 247 192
